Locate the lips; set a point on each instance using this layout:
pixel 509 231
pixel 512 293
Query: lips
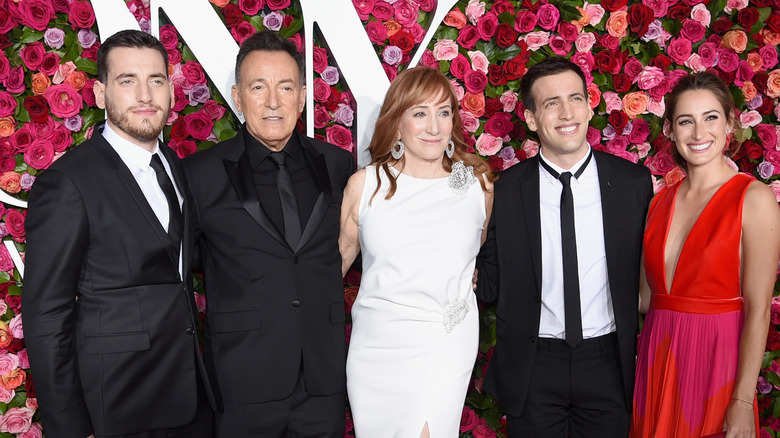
pixel 700 146
pixel 567 129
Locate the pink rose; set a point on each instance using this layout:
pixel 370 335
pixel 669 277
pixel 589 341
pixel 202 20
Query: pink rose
pixel 536 40
pixel 613 101
pixel 659 7
pixel 383 11
pixel 243 31
pixel 559 46
pixel 767 134
pixel 406 12
pixel 183 148
pixel 701 14
pixel 596 13
pixel 363 8
pixel 8 362
pixel 213 109
pixel 773 84
pixel 750 118
pixel 775 186
pixel 548 16
pixel 16 420
pixel 635 103
pixel 594 95
pixel 531 148
pixel 475 81
pixel 35 431
pixel 193 72
pixel 525 21
pixel 6 395
pixel 731 5
pixel 479 61
pixel 250 7
pixel 568 31
pixel 377 32
pixel 656 107
pixel 7 104
pixel 64 101
pixel 585 41
pixel 768 56
pixel 468 419
pixel 321 90
pixel 735 40
pixel 632 68
pixel 640 130
pixel 660 163
pixel 469 122
pixel 483 430
pixel 32 55
pixel 708 53
pixel 339 136
pixel 6 265
pixel 63 71
pixel 81 15
pixel 36 13
pixel 692 30
pixel 169 37
pixel 40 154
pixel 474 11
pixel 593 136
pixel 694 63
pixel 321 116
pixel 649 77
pixel 277 5
pixel 14 82
pixel 455 18
pixel 585 60
pixel 659 91
pixel 459 66
pixel 728 60
pixel 679 50
pixel 467 37
pixel 61 138
pixel 488 145
pixel 199 125
pixel 509 100
pixel 445 50
pixel 487 25
pixel 499 124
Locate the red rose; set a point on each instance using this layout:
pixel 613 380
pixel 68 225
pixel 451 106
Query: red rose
pixel 767 105
pixel 773 341
pixel 761 3
pixel 37 107
pixel 91 53
pixel 608 41
pixel 50 63
pixel 618 119
pixel 15 303
pixel 487 25
pixel 61 138
pixel 193 72
pixel 723 24
pixel 459 66
pixel 383 11
pixel 514 68
pixel 506 36
pixel 40 154
pixel 233 15
pixel 32 55
pixel 492 106
pixel 679 11
pixel 759 80
pixel 287 20
pixel 180 99
pixel 22 139
pixel 525 21
pixel 81 15
pixel 36 13
pixel 501 6
pixel 243 31
pixel 277 5
pixel 183 148
pixel 339 136
pixel 499 124
pixel 64 100
pixel 613 5
pixel 520 154
pixel 14 223
pixel 621 82
pixel 496 163
pixel 752 150
pixel 468 37
pixel 168 37
pixel 251 7
pixel 639 17
pixel 773 22
pixel 661 61
pixel 747 18
pixel 179 130
pixel 475 81
pixel 568 31
pixel 496 75
pixel 403 40
pixel 213 109
pixel 334 100
pixel 199 125
pixel 606 62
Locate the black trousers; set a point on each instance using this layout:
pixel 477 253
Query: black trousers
pixel 574 392
pixel 297 416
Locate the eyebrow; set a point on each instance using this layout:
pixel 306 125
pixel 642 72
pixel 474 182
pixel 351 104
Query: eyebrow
pixel 445 105
pixel 133 75
pixel 704 114
pixel 283 81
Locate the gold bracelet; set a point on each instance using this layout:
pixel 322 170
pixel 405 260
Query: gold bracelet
pixel 744 401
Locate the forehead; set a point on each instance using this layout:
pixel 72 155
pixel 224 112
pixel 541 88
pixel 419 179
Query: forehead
pixel 697 101
pixel 262 64
pixel 439 99
pixel 557 85
pixel 124 59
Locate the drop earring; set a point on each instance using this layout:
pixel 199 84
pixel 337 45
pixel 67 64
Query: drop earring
pixel 397 151
pixel 450 151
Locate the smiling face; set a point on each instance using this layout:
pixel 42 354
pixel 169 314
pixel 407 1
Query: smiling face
pixel 426 128
pixel 270 95
pixel 699 127
pixel 561 117
pixel 137 94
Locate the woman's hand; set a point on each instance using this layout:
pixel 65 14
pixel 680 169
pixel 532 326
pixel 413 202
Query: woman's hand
pixel 740 420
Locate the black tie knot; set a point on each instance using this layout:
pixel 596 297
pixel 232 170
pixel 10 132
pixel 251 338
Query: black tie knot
pixel 156 163
pixel 278 158
pixel 565 179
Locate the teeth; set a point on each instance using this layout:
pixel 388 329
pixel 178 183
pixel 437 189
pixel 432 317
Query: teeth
pixel 700 147
pixel 568 129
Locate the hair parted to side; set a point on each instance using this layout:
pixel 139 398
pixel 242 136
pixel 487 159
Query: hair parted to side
pixel 412 87
pixel 700 81
pixel 544 68
pixel 129 38
pixel 269 41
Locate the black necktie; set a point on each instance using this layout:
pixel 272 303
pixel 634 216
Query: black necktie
pixel 175 217
pixel 292 221
pixel 571 280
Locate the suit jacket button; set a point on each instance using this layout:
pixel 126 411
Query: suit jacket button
pixel 190 331
pixel 296 303
pixel 533 339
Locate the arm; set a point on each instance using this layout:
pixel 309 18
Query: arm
pixel 760 253
pixel 57 240
pixel 487 265
pixel 644 289
pixel 349 239
pixel 489 194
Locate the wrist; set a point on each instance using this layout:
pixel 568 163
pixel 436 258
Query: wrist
pixel 744 404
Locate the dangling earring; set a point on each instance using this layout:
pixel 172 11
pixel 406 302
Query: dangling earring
pixel 240 113
pixel 671 138
pixel 450 149
pixel 397 151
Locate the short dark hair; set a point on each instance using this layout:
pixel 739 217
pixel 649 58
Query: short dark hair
pixel 129 38
pixel 705 80
pixel 547 67
pixel 269 41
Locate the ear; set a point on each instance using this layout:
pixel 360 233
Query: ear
pixel 100 94
pixel 530 120
pixel 236 97
pixel 173 95
pixel 667 128
pixel 302 99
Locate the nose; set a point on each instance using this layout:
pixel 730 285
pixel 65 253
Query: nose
pixel 144 93
pixel 433 126
pixel 566 111
pixel 272 100
pixel 698 131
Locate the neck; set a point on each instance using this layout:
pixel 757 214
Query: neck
pixel 704 178
pixel 564 161
pixel 150 145
pixel 422 170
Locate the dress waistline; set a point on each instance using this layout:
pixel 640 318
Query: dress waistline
pixel 706 306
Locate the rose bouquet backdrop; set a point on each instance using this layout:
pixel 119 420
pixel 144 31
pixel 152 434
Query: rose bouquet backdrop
pixel 632 52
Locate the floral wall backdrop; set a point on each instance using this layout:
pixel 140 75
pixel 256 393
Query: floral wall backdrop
pixel 632 53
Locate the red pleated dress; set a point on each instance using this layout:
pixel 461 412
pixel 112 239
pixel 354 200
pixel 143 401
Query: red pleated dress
pixel 689 345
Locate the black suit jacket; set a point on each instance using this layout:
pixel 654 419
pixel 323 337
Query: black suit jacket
pixel 270 306
pixel 109 325
pixel 510 269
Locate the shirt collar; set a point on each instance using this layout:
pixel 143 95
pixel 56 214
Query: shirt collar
pixel 129 152
pixel 559 169
pixel 258 151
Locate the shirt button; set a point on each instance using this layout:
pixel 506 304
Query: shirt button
pixel 296 303
pixel 190 331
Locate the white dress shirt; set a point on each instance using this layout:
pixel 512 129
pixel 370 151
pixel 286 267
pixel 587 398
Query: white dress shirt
pixel 137 159
pixel 598 317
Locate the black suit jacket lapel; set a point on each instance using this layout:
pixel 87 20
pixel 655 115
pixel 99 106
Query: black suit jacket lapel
pixel 610 208
pixel 113 159
pixel 530 203
pixel 240 175
pixel 320 170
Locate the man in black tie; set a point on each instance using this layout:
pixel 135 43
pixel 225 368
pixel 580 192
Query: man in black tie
pixel 268 203
pixel 562 258
pixel 109 311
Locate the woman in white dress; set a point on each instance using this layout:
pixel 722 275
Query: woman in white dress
pixel 418 214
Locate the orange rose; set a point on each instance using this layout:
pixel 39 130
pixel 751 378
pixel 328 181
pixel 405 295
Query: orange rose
pixel 13 379
pixel 474 103
pixel 5 334
pixel 749 90
pixel 584 21
pixel 594 95
pixel 617 24
pixel 755 62
pixel 10 182
pixel 773 84
pixel 392 27
pixel 77 79
pixel 7 126
pixel 40 82
pixel 220 3
pixel 455 18
pixel 735 40
pixel 770 38
pixel 635 103
pixel 673 176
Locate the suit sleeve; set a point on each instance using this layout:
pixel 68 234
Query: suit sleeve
pixel 487 265
pixel 57 239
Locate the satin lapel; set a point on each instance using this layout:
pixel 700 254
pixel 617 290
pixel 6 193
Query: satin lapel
pixel 110 155
pixel 610 207
pixel 320 168
pixel 181 183
pixel 240 175
pixel 530 203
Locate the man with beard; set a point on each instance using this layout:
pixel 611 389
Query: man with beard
pixel 109 311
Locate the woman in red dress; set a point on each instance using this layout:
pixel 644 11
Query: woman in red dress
pixel 711 250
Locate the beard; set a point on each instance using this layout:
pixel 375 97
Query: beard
pixel 148 130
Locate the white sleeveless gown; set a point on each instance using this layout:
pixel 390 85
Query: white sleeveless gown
pixel 410 358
